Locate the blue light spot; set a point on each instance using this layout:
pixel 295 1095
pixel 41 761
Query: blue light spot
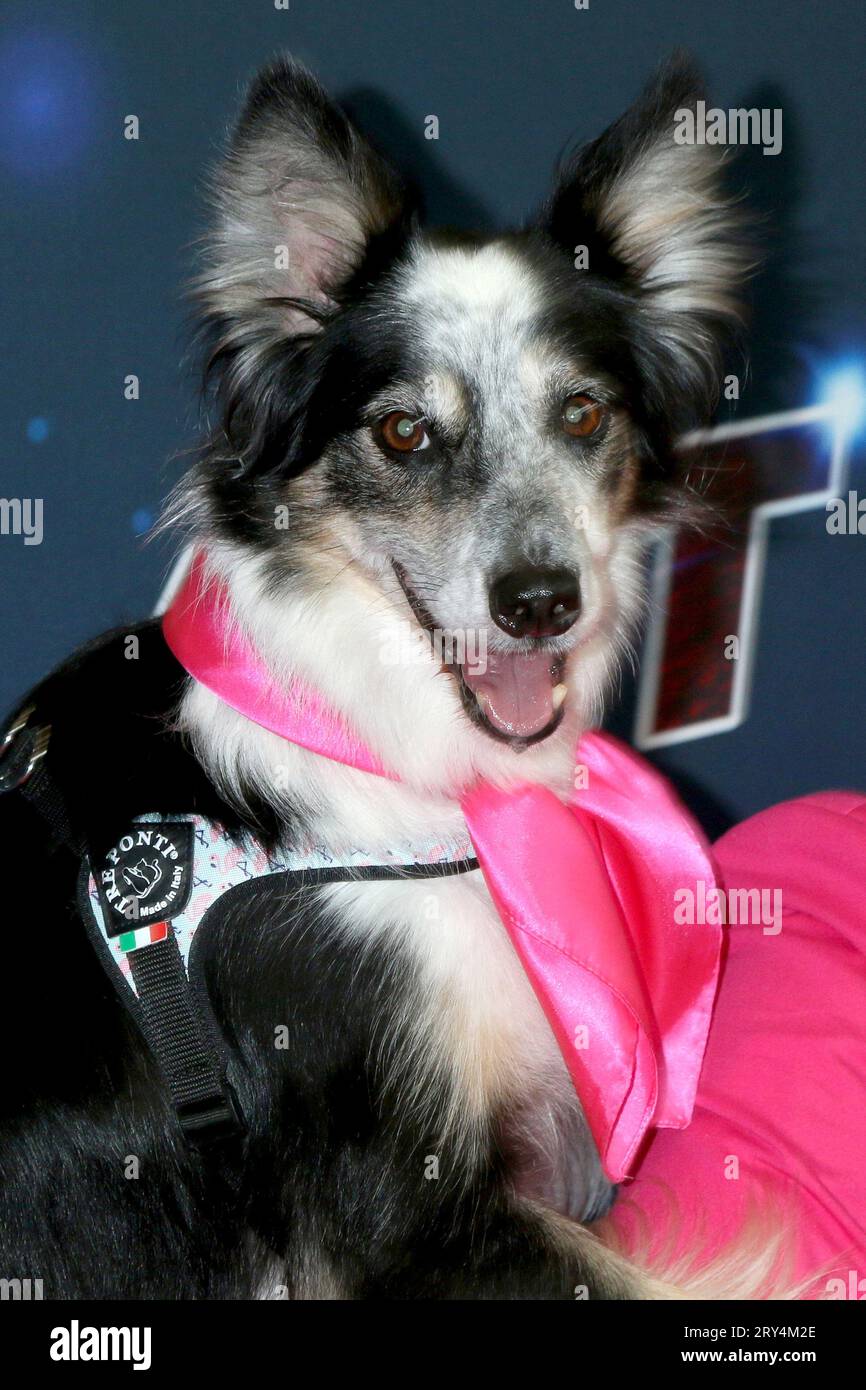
pixel 48 99
pixel 38 429
pixel 142 521
pixel 844 391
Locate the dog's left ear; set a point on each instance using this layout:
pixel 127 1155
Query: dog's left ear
pixel 654 216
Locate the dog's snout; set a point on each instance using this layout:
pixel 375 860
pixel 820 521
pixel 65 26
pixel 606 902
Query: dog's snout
pixel 533 602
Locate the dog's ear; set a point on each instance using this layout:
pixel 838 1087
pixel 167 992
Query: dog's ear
pixel 299 198
pixel 303 208
pixel 654 216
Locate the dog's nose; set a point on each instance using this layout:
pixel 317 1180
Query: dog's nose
pixel 535 602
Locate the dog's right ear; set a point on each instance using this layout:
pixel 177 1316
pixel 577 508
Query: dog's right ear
pixel 299 200
pixel 303 206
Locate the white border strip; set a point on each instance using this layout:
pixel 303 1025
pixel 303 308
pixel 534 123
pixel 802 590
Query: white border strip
pixel 176 575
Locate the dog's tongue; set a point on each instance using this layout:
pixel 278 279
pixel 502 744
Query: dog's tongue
pixel 516 691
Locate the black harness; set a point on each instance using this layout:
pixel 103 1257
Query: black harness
pixel 142 903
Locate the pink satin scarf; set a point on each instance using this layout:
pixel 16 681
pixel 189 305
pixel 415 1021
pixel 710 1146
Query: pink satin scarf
pixel 586 891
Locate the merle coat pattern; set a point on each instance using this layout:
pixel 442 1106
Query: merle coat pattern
pixel 539 403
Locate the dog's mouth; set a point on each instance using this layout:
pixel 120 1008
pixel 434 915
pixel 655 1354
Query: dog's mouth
pixel 516 697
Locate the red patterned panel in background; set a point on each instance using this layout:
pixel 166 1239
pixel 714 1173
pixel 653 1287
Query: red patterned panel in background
pixel 741 477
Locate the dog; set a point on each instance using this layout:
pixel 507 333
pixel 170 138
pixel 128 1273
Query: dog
pixel 412 432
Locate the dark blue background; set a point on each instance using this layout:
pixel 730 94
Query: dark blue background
pixel 95 252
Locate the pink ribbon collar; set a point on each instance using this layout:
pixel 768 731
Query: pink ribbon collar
pixel 586 891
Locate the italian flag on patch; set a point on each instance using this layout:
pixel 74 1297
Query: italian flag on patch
pixel 143 936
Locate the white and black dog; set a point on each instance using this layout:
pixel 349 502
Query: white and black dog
pixel 466 435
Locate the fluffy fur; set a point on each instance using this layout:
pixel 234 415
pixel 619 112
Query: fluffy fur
pixel 413 1030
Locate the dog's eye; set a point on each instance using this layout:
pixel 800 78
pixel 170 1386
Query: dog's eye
pixel 402 433
pixel 582 416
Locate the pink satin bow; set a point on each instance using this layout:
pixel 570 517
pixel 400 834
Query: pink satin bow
pixel 585 891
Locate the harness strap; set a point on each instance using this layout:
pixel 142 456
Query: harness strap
pixel 23 768
pixel 205 1104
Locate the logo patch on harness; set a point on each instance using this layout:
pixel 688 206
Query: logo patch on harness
pixel 146 879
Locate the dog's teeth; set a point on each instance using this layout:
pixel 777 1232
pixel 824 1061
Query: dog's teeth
pixel 482 700
pixel 559 694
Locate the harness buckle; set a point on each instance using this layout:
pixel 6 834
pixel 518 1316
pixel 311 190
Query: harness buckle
pixel 214 1117
pixel 22 748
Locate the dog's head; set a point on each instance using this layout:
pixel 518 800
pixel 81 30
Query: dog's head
pixel 472 436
